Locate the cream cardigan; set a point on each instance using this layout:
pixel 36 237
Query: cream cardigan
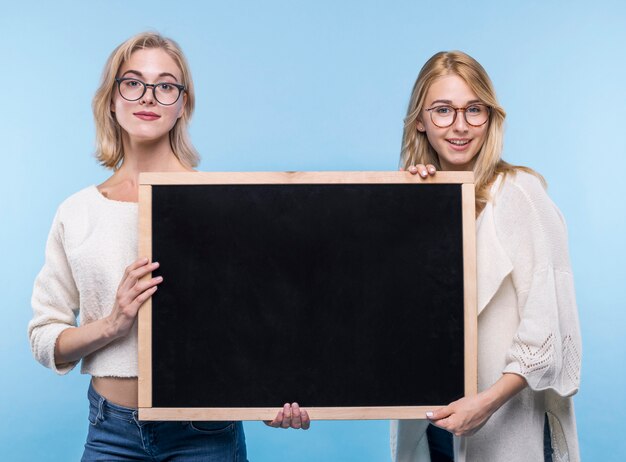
pixel 91 242
pixel 527 324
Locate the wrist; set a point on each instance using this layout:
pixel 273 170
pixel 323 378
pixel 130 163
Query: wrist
pixel 111 329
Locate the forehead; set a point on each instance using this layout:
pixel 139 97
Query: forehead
pixel 151 63
pixel 450 87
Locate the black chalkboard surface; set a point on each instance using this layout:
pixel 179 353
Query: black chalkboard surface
pixel 341 296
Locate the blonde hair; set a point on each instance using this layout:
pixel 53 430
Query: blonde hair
pixel 415 146
pixel 109 146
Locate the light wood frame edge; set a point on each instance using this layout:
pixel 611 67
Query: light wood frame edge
pixel 184 178
pixel 144 340
pixel 469 289
pixel 147 412
pixel 315 413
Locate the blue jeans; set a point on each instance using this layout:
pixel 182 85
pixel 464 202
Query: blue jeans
pixel 116 434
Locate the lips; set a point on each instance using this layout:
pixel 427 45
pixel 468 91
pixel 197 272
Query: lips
pixel 459 144
pixel 146 115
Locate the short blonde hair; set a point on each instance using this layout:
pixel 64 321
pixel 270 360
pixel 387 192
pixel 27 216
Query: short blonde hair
pixel 415 146
pixel 109 146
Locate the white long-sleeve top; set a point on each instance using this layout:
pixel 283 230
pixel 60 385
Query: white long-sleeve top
pixel 92 241
pixel 527 324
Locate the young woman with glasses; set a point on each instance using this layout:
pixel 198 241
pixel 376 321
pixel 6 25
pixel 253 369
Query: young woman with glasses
pixel 529 347
pixel 142 110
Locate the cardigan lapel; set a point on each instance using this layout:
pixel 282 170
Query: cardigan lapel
pixel 492 263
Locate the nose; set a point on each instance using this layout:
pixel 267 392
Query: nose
pixel 148 96
pixel 460 124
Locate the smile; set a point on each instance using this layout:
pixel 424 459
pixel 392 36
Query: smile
pixel 459 142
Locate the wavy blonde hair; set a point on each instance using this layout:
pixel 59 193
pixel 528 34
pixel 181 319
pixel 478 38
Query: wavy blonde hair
pixel 415 146
pixel 109 146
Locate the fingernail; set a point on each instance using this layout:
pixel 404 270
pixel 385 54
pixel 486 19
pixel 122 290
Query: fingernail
pixel 429 414
pixel 159 278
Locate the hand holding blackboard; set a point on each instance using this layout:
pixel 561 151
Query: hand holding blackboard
pixel 290 416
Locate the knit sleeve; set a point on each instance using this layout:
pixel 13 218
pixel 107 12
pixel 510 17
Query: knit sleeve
pixel 546 349
pixel 55 301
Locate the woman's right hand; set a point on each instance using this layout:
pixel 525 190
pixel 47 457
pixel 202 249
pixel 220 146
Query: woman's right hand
pixel 131 294
pixel 423 170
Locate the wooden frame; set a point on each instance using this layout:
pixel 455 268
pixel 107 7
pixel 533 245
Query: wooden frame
pixel 147 180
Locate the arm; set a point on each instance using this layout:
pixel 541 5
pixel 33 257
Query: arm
pixel 73 344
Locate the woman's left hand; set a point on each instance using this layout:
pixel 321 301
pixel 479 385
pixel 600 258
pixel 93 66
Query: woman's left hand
pixel 463 417
pixel 467 415
pixel 291 416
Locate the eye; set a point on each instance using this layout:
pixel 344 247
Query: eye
pixel 132 83
pixel 475 110
pixel 444 110
pixel 165 87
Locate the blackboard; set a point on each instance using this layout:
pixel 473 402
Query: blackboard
pixel 347 292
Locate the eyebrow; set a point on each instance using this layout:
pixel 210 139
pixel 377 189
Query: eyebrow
pixel 139 74
pixel 447 101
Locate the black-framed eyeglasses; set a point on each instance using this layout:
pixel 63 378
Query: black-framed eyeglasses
pixel 166 93
pixel 444 115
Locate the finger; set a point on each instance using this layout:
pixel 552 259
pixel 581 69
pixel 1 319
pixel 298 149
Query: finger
pixel 286 416
pixel 296 417
pixel 440 413
pixel 141 299
pixel 304 417
pixel 135 275
pixel 142 286
pixel 136 264
pixel 277 420
pixel 421 168
pixel 445 424
pixel 431 169
pixel 412 169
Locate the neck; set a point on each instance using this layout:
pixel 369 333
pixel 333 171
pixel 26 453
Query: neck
pixel 140 156
pixel 148 156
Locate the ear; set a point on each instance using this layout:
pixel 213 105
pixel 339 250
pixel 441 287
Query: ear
pixel 112 105
pixel 420 126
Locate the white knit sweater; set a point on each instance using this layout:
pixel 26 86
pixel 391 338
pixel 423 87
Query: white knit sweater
pixel 92 240
pixel 527 325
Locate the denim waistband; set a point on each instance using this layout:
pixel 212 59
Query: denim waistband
pixel 106 407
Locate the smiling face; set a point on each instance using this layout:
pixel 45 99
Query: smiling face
pixel 458 144
pixel 146 119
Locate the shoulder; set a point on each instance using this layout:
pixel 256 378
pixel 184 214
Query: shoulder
pixel 75 212
pixel 522 194
pixel 522 208
pixel 521 186
pixel 86 197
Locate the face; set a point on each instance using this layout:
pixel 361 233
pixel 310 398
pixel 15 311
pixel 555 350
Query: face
pixel 458 144
pixel 146 119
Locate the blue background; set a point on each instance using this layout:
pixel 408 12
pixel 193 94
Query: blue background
pixel 319 85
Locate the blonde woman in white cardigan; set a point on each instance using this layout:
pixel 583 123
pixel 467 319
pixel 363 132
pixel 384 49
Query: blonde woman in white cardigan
pixel 142 109
pixel 529 347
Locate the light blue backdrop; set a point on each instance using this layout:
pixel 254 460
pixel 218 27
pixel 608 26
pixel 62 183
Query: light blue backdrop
pixel 319 85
